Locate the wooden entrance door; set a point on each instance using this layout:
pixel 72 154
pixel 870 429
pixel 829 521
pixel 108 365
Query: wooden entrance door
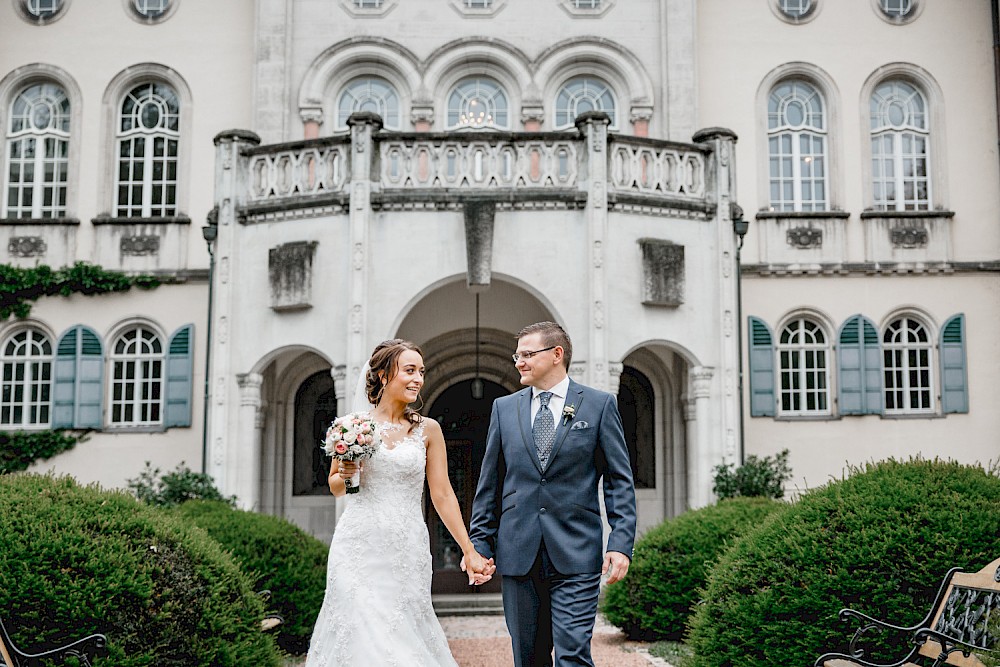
pixel 465 422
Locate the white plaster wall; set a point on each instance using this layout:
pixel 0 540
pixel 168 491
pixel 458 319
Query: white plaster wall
pixel 110 459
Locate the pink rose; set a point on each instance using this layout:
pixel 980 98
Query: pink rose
pixel 366 428
pixel 340 448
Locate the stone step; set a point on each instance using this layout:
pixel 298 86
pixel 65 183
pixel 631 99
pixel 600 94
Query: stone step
pixel 478 604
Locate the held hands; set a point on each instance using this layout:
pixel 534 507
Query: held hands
pixel 479 569
pixel 615 566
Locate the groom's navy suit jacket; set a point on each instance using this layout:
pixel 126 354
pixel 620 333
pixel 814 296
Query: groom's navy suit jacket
pixel 518 504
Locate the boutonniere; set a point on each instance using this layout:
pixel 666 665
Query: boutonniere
pixel 568 412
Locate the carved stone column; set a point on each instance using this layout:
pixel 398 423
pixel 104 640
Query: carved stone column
pixel 700 387
pixel 363 128
pixel 244 464
pixel 593 125
pixel 232 178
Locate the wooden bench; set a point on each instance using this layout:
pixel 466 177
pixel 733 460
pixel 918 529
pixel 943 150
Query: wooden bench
pixel 85 650
pixel 957 628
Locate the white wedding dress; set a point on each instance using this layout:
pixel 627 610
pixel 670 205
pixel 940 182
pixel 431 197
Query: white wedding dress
pixel 377 611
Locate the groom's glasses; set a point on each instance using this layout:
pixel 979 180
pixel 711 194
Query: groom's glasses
pixel 517 356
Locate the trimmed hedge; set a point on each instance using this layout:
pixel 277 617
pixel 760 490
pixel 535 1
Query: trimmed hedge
pixel 879 541
pixel 670 564
pixel 279 555
pixel 77 560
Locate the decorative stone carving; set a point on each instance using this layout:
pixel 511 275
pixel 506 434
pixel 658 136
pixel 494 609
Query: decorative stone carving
pixel 290 272
pixel 909 234
pixel 804 237
pixel 663 272
pixel 26 246
pixel 140 245
pixel 479 217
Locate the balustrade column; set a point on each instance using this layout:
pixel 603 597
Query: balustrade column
pixel 593 125
pixel 363 128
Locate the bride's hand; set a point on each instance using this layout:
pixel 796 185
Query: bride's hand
pixel 479 569
pixel 348 469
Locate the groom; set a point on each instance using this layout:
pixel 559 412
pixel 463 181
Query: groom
pixel 536 510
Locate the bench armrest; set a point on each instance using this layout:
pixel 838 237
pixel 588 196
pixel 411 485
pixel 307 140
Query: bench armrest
pixel 949 644
pixel 867 626
pixel 83 649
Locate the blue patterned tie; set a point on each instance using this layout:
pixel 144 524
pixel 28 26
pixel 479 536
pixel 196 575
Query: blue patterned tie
pixel 544 428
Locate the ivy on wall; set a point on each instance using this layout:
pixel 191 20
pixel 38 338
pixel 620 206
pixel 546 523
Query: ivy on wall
pixel 19 449
pixel 20 287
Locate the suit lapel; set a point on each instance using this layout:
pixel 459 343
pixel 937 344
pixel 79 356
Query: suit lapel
pixel 524 419
pixel 574 397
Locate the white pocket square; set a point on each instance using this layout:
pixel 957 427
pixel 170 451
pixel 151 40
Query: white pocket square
pixel 579 425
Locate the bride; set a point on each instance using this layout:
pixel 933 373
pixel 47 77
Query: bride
pixel 377 609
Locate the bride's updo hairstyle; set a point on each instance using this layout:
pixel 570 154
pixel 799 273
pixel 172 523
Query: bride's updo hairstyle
pixel 384 362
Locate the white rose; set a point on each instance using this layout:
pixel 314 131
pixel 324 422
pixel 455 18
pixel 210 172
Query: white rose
pixel 350 437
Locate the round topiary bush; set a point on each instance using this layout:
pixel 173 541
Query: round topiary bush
pixel 78 560
pixel 282 558
pixel 670 563
pixel 879 541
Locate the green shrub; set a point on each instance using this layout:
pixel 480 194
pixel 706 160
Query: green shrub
pixel 282 557
pixel 20 449
pixel 78 560
pixel 669 566
pixel 175 487
pixel 879 541
pixel 757 477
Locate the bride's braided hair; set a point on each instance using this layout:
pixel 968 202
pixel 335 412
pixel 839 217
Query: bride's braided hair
pixel 383 364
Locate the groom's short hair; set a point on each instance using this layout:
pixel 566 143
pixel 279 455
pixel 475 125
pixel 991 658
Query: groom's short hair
pixel 552 335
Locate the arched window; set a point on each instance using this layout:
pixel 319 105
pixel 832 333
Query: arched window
pixel 580 95
pixel 148 136
pixel 137 378
pixel 896 8
pixel 369 94
pixel 906 352
pixel 795 8
pixel 151 9
pixel 43 9
pixel 797 150
pixel 636 402
pixel 27 379
pixel 37 153
pixel 900 140
pixel 803 357
pixel 478 103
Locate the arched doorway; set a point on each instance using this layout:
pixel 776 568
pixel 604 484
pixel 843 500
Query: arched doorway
pixel 315 408
pixel 465 422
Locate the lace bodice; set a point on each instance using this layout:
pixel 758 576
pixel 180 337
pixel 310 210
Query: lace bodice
pixel 392 481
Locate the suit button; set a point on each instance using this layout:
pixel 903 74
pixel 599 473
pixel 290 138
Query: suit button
pixel 542 511
pixel 543 480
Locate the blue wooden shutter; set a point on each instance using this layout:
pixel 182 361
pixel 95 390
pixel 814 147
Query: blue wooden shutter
pixel 64 380
pixel 859 368
pixel 180 367
pixel 761 344
pixel 78 390
pixel 954 377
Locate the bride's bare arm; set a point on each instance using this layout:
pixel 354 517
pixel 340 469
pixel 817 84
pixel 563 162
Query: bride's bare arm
pixel 339 471
pixel 446 504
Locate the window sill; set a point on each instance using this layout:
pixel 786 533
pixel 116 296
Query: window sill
pixel 801 215
pixel 807 418
pixel 37 222
pixel 119 429
pixel 865 215
pixel 913 415
pixel 166 220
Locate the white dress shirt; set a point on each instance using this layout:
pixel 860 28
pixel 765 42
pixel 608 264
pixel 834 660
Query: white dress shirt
pixel 556 403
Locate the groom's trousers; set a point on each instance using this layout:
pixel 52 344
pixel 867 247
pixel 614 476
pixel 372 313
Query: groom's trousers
pixel 546 609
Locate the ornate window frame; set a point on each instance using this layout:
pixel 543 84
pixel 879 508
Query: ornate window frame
pixel 827 88
pixel 368 9
pixel 473 57
pixel 573 8
pixel 827 370
pixel 340 124
pixel 916 7
pixel 29 380
pixel 616 116
pixel 937 147
pixel 814 128
pixel 932 362
pixel 111 103
pixel 14 83
pixel 21 8
pixel 114 357
pixel 810 14
pixel 133 12
pixel 478 9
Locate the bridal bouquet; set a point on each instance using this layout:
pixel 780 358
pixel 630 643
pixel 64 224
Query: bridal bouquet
pixel 351 438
